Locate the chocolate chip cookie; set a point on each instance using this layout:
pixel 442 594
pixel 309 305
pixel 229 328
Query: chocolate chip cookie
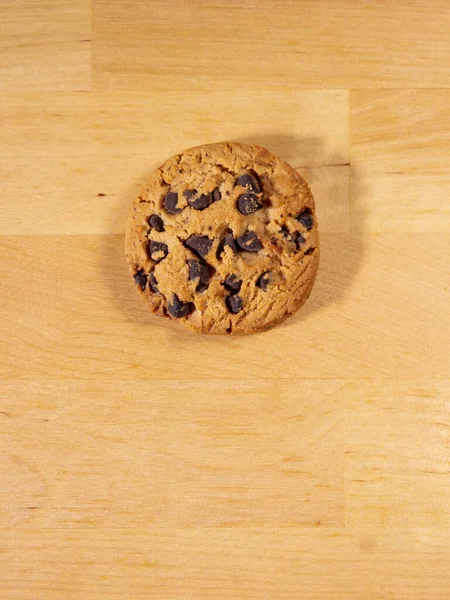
pixel 223 238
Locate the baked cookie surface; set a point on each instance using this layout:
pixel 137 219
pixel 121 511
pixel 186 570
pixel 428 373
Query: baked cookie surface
pixel 223 237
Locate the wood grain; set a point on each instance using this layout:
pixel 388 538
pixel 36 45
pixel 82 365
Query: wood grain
pixel 107 144
pixel 45 45
pixel 82 317
pixel 171 456
pixel 266 44
pixel 310 462
pixel 400 160
pixel 397 452
pixel 206 564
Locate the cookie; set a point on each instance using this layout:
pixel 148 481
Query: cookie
pixel 223 238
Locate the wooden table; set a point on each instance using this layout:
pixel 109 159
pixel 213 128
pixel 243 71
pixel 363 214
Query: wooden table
pixel 137 461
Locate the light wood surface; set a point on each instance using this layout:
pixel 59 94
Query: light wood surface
pixel 139 461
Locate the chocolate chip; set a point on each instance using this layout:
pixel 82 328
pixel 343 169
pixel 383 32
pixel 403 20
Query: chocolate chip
pixel 200 244
pixel 195 269
pixel 232 284
pixel 309 251
pixel 140 279
pixel 305 218
pixel 227 240
pixel 206 273
pixel 170 203
pixel 249 242
pixel 231 243
pixel 156 223
pixel 263 280
pixel 285 231
pixel 295 237
pixel 234 303
pixel 298 239
pixel 248 203
pixel 199 270
pixel 201 202
pixel 152 283
pixel 188 194
pixel 216 195
pixel 250 182
pixel 179 309
pixel 157 251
